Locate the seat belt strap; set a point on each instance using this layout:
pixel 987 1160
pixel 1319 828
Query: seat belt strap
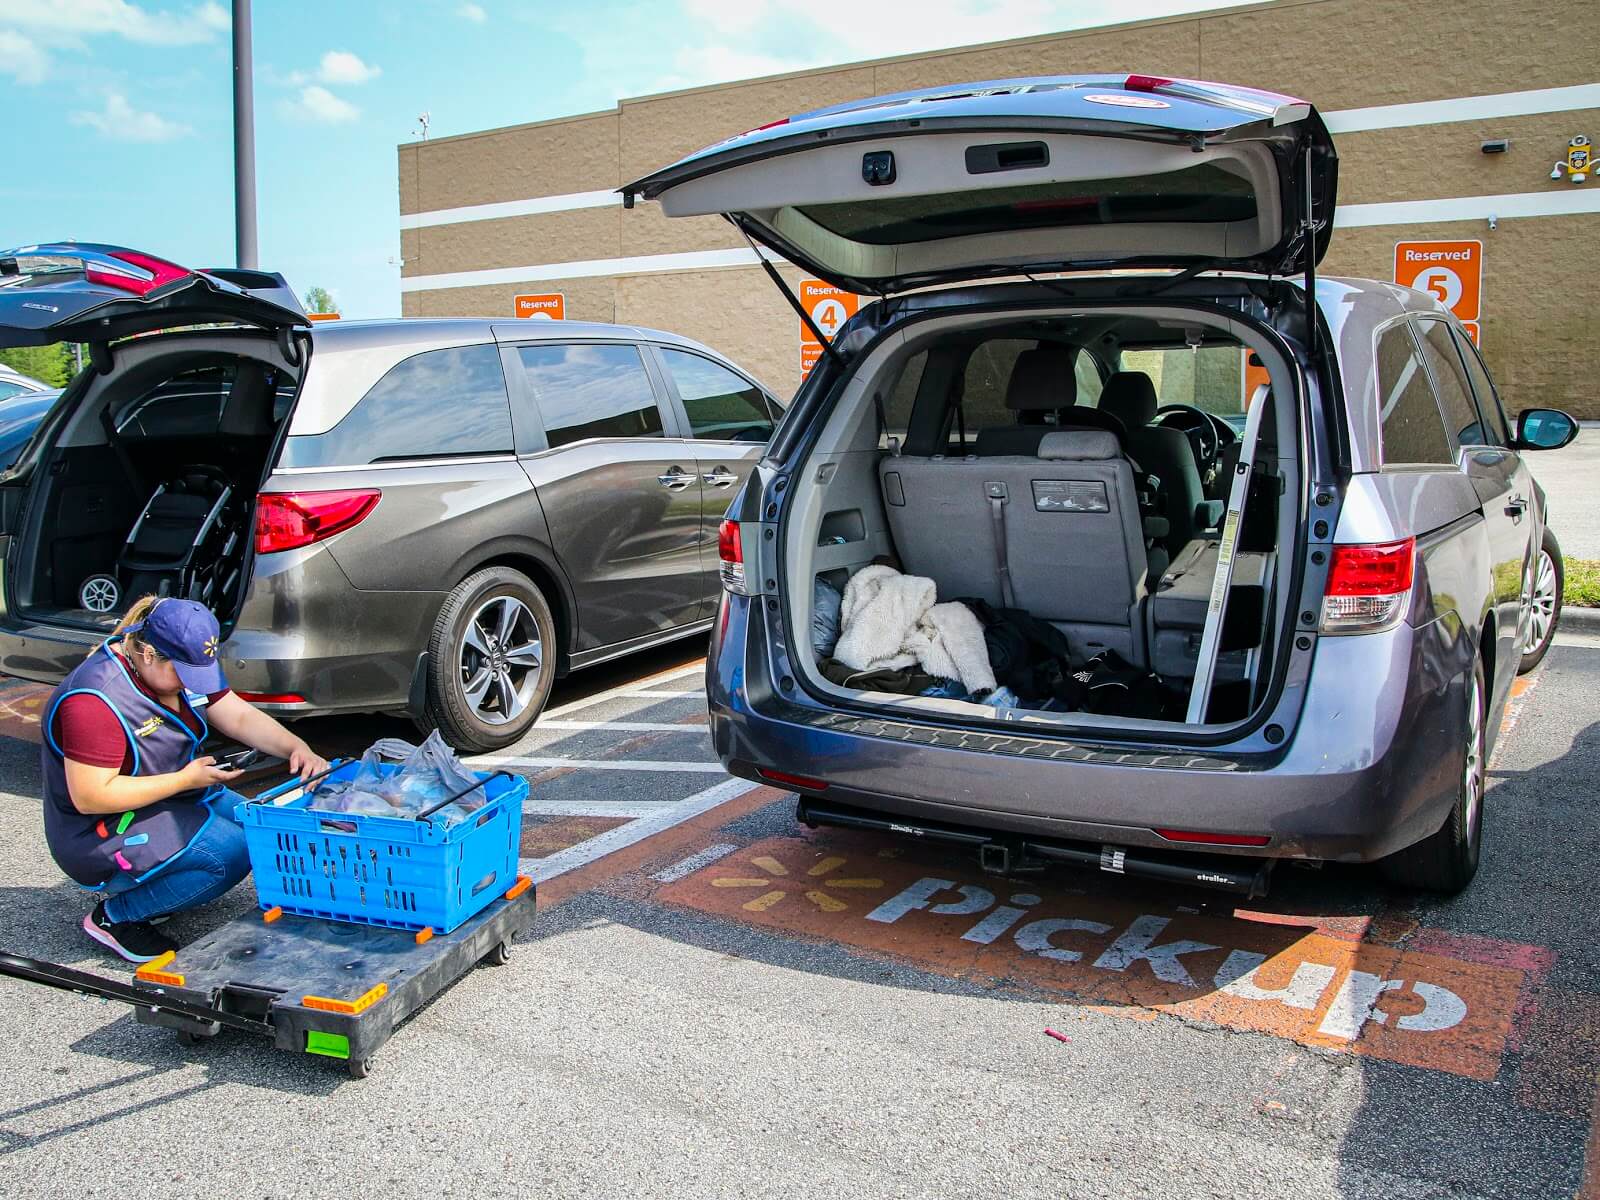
pixel 998 498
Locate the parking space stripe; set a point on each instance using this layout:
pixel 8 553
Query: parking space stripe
pixel 620 726
pixel 622 690
pixel 694 862
pixel 663 695
pixel 592 764
pixel 596 808
pixel 546 869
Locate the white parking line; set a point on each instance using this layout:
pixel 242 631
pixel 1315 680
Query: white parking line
pixel 592 764
pixel 545 869
pixel 694 862
pixel 665 695
pixel 624 726
pixel 624 689
pixel 596 808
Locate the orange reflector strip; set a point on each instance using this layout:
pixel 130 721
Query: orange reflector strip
pixel 348 1007
pixel 272 914
pixel 424 935
pixel 151 971
pixel 523 883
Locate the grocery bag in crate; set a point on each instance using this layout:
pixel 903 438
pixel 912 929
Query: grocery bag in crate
pixel 422 842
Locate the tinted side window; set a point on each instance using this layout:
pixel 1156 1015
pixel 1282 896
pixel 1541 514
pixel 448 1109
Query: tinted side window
pixel 441 403
pixel 1090 385
pixel 1450 381
pixel 983 395
pixel 591 391
pixel 187 405
pixel 1488 401
pixel 1413 431
pixel 720 405
pixel 897 405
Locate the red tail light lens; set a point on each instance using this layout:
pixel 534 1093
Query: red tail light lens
pixel 143 275
pixel 1368 586
pixel 289 520
pixel 730 549
pixel 1145 83
pixel 803 783
pixel 272 697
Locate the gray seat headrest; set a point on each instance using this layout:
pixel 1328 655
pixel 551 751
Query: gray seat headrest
pixel 1130 397
pixel 1079 445
pixel 1042 380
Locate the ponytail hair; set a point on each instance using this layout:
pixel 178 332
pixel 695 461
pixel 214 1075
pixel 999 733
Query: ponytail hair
pixel 140 610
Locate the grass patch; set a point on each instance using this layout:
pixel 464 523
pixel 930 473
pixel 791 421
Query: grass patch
pixel 1583 582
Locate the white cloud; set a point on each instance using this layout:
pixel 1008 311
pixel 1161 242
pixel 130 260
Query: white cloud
pixel 340 66
pixel 473 13
pixel 22 58
pixel 316 103
pixel 121 122
pixel 67 22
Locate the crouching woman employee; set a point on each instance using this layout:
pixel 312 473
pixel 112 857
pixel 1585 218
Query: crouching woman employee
pixel 125 808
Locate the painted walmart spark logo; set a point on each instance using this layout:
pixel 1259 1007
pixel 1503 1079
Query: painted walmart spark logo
pixel 776 893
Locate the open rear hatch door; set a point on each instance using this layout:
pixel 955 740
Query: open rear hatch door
pixel 1031 175
pixel 78 292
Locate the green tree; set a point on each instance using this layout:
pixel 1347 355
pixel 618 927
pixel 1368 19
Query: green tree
pixel 53 364
pixel 318 300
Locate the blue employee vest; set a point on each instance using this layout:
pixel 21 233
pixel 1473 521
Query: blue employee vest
pixel 92 848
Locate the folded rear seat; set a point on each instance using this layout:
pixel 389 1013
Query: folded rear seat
pixel 1177 611
pixel 1064 526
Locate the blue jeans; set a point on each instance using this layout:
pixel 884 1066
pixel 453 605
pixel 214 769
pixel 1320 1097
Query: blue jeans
pixel 208 867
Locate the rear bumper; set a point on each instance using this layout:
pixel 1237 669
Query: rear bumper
pixel 1371 766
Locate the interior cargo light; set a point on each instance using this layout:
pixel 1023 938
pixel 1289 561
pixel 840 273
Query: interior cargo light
pixel 801 782
pixel 1195 837
pixel 288 520
pixel 143 274
pixel 730 550
pixel 1368 586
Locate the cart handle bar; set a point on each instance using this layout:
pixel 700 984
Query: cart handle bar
pixel 428 812
pixel 86 983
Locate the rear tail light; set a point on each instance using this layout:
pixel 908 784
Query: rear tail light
pixel 731 551
pixel 289 520
pixel 272 697
pixel 1368 586
pixel 1197 838
pixel 142 275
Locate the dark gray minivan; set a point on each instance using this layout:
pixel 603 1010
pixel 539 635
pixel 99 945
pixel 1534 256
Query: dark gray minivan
pixel 1286 636
pixel 430 516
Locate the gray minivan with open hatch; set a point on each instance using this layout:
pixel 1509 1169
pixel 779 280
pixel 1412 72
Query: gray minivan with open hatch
pixel 1211 644
pixel 436 517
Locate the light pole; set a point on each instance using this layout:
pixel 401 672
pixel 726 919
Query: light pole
pixel 244 138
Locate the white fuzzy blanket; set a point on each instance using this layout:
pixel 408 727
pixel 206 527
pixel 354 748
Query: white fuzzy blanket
pixel 890 622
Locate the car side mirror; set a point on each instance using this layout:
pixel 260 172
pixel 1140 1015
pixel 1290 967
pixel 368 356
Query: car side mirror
pixel 1544 429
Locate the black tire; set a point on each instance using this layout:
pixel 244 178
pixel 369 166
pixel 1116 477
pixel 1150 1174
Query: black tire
pixel 359 1068
pixel 499 956
pixel 1446 861
pixel 467 725
pixel 1545 609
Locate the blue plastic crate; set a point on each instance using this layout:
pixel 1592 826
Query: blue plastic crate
pixel 402 872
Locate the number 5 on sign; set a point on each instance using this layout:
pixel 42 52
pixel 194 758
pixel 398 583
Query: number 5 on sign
pixel 1451 272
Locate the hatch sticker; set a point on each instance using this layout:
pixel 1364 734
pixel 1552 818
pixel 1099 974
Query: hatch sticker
pixel 1126 101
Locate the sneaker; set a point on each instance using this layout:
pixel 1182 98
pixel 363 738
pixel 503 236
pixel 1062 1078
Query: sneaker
pixel 136 941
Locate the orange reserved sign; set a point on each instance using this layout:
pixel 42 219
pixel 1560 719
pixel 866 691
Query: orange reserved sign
pixel 1451 271
pixel 551 306
pixel 830 308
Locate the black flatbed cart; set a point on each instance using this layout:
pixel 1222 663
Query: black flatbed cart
pixel 313 986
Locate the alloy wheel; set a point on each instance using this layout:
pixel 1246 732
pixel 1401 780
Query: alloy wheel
pixel 1541 603
pixel 502 660
pixel 1473 773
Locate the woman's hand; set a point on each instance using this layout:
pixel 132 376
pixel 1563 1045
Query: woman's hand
pixel 203 773
pixel 305 762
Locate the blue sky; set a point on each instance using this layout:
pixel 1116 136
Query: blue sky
pixel 118 114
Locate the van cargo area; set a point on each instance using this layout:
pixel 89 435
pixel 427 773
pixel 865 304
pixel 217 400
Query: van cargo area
pixel 151 485
pixel 1128 561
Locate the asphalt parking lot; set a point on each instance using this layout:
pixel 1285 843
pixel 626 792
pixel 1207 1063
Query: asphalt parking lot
pixel 715 1001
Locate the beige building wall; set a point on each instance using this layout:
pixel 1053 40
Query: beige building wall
pixel 1539 326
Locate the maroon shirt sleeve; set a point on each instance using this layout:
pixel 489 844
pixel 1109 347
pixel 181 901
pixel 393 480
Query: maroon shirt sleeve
pixel 89 732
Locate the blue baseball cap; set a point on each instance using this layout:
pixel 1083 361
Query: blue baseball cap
pixel 185 632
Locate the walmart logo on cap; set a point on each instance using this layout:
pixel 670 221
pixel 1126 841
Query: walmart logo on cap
pixel 211 647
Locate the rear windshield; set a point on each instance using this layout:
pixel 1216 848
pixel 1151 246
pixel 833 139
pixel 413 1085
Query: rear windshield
pixel 1202 193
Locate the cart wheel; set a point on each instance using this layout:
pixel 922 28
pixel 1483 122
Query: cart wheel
pixel 500 955
pixel 360 1068
pixel 189 1039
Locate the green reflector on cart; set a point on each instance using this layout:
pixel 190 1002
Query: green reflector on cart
pixel 122 825
pixel 334 1045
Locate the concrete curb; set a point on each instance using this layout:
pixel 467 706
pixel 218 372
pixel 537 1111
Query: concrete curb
pixel 1573 617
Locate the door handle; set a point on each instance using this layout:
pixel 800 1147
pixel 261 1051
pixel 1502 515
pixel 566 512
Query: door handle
pixel 721 477
pixel 1516 508
pixel 675 480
